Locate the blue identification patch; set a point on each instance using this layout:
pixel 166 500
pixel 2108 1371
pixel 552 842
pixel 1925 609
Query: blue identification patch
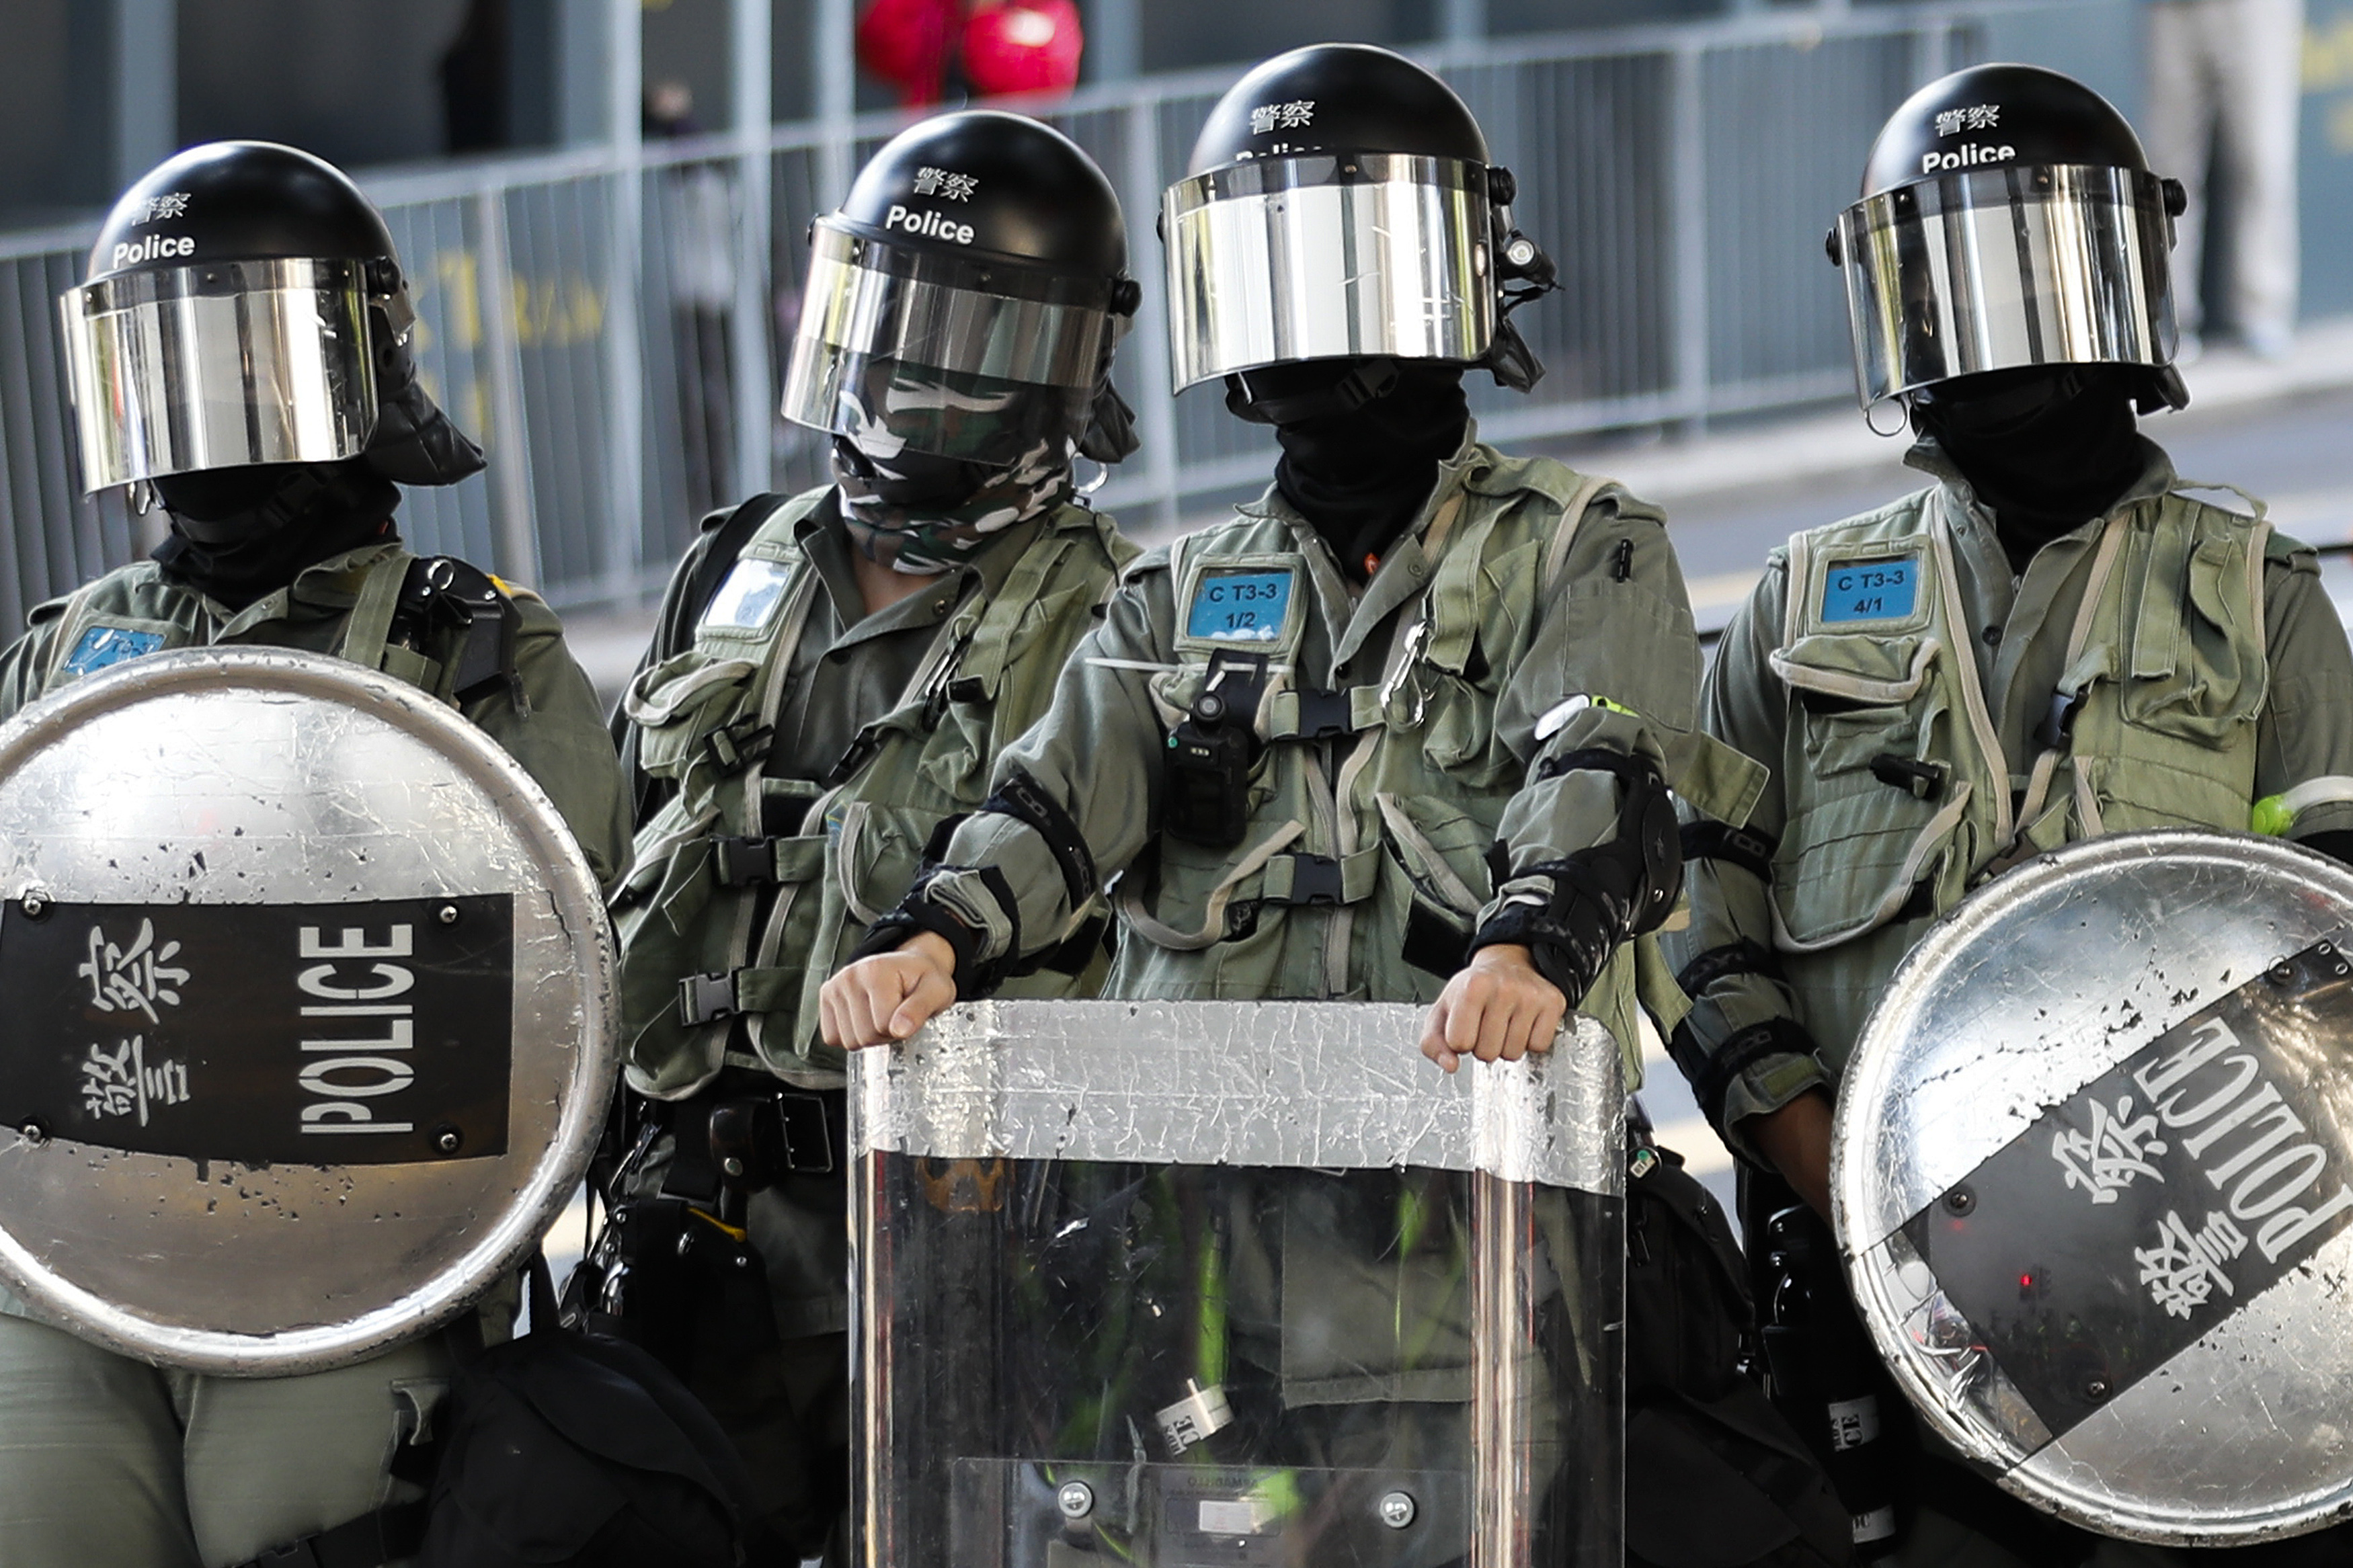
pixel 1240 606
pixel 1882 590
pixel 103 646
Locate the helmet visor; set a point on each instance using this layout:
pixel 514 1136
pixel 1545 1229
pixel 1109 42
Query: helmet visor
pixel 219 366
pixel 898 347
pixel 2004 268
pixel 1347 256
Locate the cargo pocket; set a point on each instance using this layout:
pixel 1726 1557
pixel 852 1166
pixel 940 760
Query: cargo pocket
pixel 874 856
pixel 678 704
pixel 2197 670
pixel 1880 807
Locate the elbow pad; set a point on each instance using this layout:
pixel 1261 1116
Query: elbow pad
pixel 1574 913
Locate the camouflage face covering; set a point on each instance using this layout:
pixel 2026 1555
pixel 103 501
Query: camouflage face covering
pixel 940 508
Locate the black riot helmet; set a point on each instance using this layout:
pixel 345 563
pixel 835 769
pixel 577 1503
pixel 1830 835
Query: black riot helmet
pixel 965 300
pixel 2008 220
pixel 1340 206
pixel 244 306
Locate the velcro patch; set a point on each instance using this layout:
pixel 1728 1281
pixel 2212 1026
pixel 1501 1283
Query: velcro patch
pixel 101 646
pixel 1886 588
pixel 749 596
pixel 1240 606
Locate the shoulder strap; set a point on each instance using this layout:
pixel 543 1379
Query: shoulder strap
pixel 1564 533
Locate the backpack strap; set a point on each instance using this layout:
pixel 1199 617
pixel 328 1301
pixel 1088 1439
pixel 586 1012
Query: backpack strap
pixel 371 1540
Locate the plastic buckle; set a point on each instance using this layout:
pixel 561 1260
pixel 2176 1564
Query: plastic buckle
pixel 706 999
pixel 745 741
pixel 2058 725
pixel 1315 880
pixel 738 861
pixel 1323 715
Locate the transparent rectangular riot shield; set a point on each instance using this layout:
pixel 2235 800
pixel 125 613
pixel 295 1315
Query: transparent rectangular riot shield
pixel 1234 1285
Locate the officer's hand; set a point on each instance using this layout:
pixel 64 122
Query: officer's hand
pixel 889 996
pixel 1796 1139
pixel 1498 1006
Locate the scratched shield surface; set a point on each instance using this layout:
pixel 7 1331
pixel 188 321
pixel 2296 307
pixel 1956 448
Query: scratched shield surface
pixel 309 1012
pixel 2093 1173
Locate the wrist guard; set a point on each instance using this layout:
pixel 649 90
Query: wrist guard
pixel 918 912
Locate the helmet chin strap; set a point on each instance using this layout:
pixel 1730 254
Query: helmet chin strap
pixel 1317 389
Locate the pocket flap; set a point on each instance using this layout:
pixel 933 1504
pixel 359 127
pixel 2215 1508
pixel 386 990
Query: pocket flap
pixel 1858 667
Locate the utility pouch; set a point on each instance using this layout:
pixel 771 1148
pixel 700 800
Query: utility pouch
pixel 1826 1380
pixel 1210 754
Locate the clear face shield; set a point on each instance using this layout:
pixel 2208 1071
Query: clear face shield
pixel 2005 269
pixel 953 357
pixel 1222 1283
pixel 1344 256
pixel 219 366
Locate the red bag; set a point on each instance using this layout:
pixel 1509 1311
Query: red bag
pixel 1023 45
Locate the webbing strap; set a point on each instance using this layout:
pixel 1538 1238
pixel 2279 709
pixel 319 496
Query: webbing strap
pixel 368 628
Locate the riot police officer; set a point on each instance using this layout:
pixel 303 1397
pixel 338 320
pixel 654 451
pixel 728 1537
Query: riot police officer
pixel 1299 732
pixel 1401 729
pixel 2056 639
pixel 239 354
pixel 834 676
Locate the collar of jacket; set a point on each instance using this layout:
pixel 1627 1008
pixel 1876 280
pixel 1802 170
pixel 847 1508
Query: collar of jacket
pixel 2157 477
pixel 327 588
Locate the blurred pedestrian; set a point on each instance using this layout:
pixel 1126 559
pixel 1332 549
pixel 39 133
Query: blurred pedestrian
pixel 2224 84
pixel 697 217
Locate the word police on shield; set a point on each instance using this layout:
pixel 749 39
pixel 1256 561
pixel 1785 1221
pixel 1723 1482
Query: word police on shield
pixel 310 1024
pixel 317 1034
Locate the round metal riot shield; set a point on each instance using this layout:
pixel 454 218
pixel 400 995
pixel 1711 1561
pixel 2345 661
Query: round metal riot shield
pixel 2093 1172
pixel 310 1023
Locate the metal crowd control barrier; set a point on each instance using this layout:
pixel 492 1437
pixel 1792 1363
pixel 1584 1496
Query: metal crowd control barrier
pixel 610 320
pixel 1246 1283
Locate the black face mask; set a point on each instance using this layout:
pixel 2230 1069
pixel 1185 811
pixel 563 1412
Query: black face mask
pixel 240 533
pixel 2046 449
pixel 1360 473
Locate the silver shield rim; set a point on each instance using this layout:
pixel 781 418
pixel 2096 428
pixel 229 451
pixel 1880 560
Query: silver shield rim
pixel 220 365
pixel 534 1189
pixel 1378 255
pixel 1878 1179
pixel 2004 268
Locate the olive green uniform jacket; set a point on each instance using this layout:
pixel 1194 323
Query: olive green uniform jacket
pixel 795 756
pixel 1904 719
pixel 1529 617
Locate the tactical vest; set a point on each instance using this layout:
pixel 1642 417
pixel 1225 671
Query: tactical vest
pixel 1901 799
pixel 110 620
pixel 1393 833
pixel 748 890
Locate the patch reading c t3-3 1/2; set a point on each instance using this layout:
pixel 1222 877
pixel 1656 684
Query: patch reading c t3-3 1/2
pixel 2161 1198
pixel 375 1033
pixel 1883 589
pixel 1240 606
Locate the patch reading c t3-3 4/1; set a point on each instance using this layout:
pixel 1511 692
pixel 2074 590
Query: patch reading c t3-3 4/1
pixel 374 1032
